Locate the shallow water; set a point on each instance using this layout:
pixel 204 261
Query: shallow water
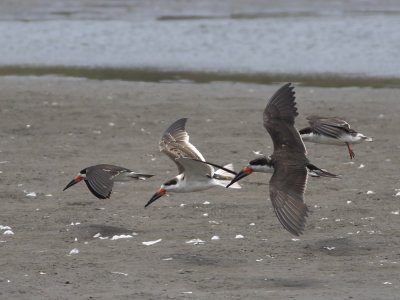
pixel 339 39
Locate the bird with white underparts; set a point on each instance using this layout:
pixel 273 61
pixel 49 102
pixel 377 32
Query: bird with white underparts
pixel 194 174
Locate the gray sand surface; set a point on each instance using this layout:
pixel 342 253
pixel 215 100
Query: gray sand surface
pixel 349 250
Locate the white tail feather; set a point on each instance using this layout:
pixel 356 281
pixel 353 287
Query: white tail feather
pixel 139 176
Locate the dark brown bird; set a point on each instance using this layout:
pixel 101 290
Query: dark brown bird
pixel 331 131
pixel 100 178
pixel 288 161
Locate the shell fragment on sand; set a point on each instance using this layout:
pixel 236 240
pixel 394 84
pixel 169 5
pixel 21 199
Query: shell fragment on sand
pixel 149 243
pixel 196 242
pixel 122 236
pixel 74 251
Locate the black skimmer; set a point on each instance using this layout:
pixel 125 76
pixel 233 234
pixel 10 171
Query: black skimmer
pixel 263 164
pixel 195 174
pixel 288 162
pixel 331 131
pixel 100 178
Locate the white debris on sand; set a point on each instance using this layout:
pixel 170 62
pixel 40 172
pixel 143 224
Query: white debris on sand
pixel 329 248
pixel 368 218
pixel 361 166
pixel 206 202
pixel 120 273
pixel 252 224
pixel 168 258
pixel 149 243
pixel 394 212
pixel 215 238
pixel 122 236
pixel 196 242
pixel 205 214
pixel 8 232
pixel 214 222
pixel 74 251
pixel 397 194
pixel 295 240
pixel 98 235
pixel 370 192
pixel 32 195
pixel 348 201
pixel 2 227
pixel 239 236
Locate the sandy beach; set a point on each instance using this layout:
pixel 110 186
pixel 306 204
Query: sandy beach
pixel 51 128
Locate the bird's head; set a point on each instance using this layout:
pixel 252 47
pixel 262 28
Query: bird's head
pixel 169 185
pixel 77 178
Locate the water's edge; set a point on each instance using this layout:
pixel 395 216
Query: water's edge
pixel 159 75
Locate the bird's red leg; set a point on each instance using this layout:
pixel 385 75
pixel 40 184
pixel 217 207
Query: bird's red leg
pixel 350 151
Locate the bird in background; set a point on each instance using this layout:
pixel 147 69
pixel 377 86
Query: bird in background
pixel 263 164
pixel 100 178
pixel 194 174
pixel 288 161
pixel 331 131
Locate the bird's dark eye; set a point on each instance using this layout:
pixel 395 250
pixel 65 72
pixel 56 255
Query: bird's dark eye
pixel 83 171
pixel 171 182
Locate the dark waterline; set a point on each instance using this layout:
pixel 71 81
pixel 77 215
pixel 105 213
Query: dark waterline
pixel 156 75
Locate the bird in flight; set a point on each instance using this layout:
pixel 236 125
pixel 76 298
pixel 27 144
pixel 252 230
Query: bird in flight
pixel 100 178
pixel 195 174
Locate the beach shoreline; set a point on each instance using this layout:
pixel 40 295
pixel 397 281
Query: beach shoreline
pixel 52 127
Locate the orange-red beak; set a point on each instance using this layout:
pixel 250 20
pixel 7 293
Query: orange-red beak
pixel 160 193
pixel 245 172
pixel 73 181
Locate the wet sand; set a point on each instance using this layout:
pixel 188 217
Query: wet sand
pixel 350 248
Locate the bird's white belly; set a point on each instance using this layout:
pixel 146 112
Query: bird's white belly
pixel 321 139
pixel 194 186
pixel 352 139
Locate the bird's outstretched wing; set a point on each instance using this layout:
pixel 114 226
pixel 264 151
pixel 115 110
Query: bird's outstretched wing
pixel 175 143
pixel 99 182
pixel 195 170
pixel 331 127
pixel 286 189
pixel 288 183
pixel 279 115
